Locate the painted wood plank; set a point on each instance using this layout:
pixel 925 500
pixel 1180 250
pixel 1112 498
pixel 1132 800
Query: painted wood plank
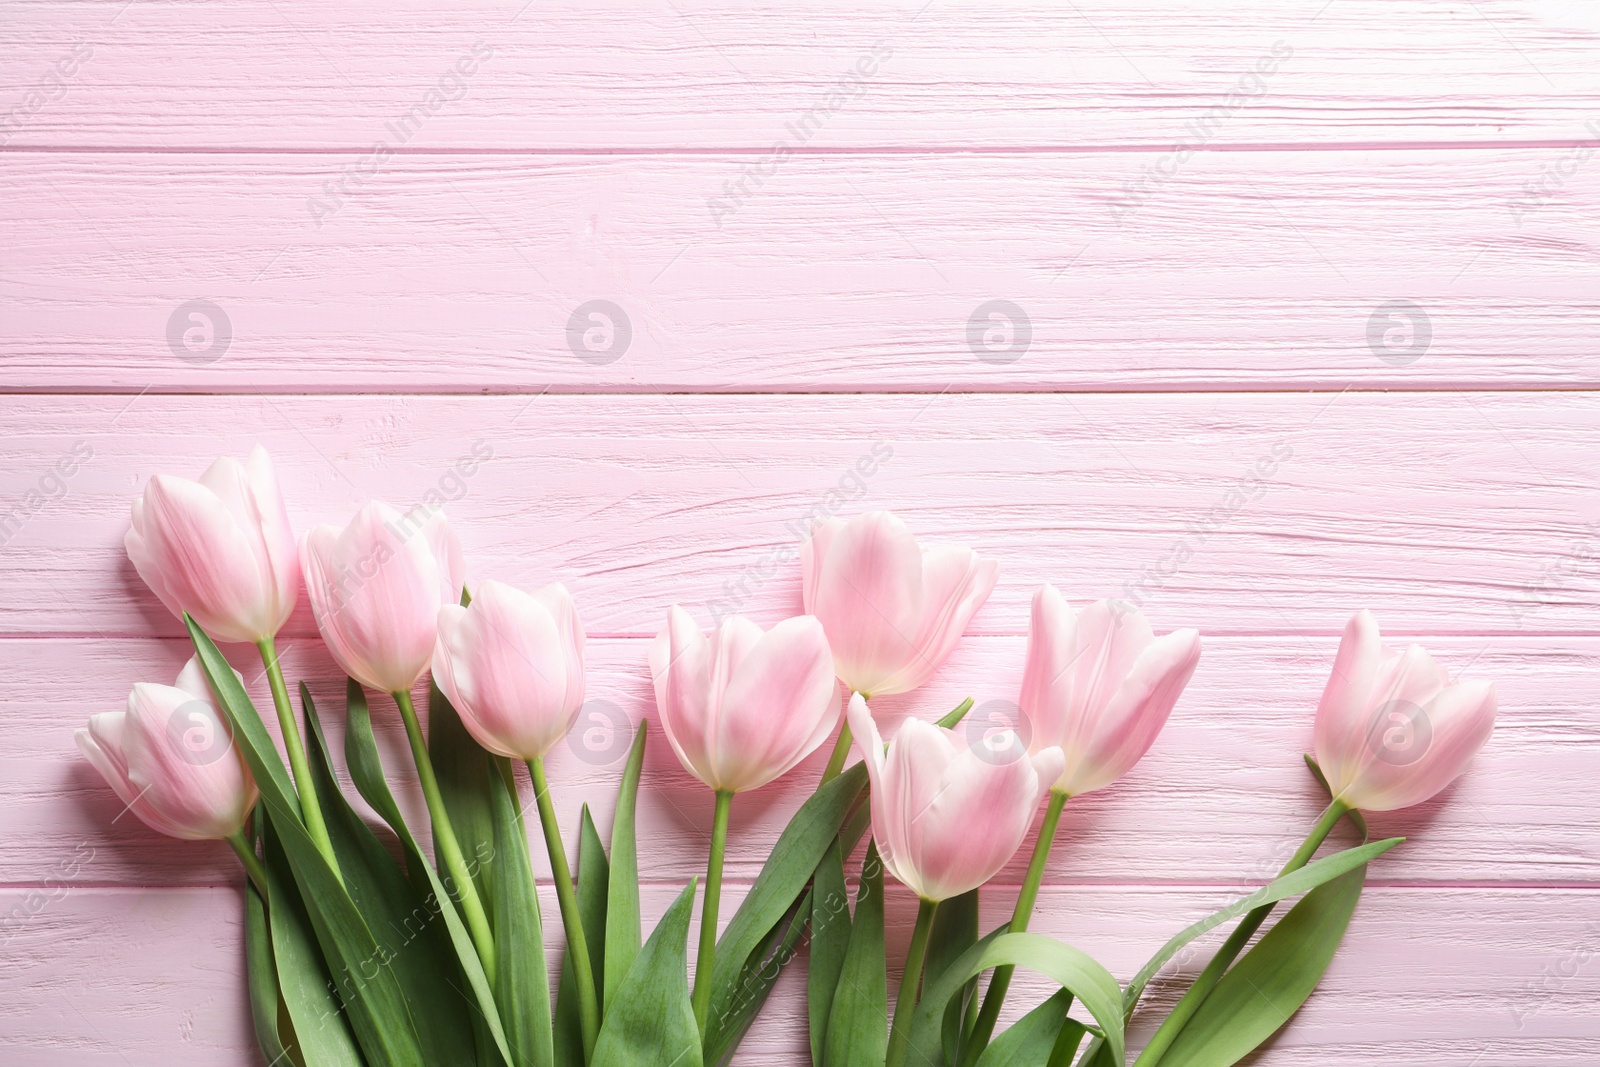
pixel 910 272
pixel 498 74
pixel 1235 513
pixel 1223 795
pixel 102 976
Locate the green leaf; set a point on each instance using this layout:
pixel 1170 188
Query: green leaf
pixel 955 930
pixel 378 1015
pixel 1304 880
pixel 782 881
pixel 398 916
pixel 593 886
pixel 320 1026
pixel 760 973
pixel 858 1024
pixel 1032 1038
pixel 830 937
pixel 260 967
pixel 951 718
pixel 622 895
pixel 651 1024
pixel 1068 967
pixel 522 987
pixel 366 772
pixel 467 777
pixel 1259 994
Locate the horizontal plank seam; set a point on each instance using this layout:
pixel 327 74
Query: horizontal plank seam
pixel 1173 388
pixel 1553 143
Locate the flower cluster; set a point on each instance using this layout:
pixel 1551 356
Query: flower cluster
pixel 741 707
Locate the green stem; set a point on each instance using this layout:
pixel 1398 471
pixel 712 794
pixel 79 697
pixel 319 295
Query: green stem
pixel 708 912
pixel 310 808
pixel 577 943
pixel 910 982
pixel 444 837
pixel 1000 983
pixel 841 752
pixel 252 862
pixel 1196 995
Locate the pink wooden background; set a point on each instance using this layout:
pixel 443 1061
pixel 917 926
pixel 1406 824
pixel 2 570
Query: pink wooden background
pixel 379 313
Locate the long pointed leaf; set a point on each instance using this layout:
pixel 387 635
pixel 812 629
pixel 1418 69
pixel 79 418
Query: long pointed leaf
pixel 366 772
pixel 760 974
pixel 652 1022
pixel 830 937
pixel 261 968
pixel 955 930
pixel 522 986
pixel 375 1006
pixel 395 912
pixel 1032 1038
pixel 321 1031
pixel 858 1024
pixel 593 878
pixel 1068 967
pixel 1304 880
pixel 1260 993
pixel 782 881
pixel 622 895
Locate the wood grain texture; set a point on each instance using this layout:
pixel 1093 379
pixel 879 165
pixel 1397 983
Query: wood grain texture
pixel 1443 512
pixel 1254 270
pixel 665 75
pixel 1423 978
pixel 1226 771
pixel 1348 246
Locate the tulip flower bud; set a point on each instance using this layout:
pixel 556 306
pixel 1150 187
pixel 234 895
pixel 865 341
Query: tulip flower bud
pixel 219 548
pixel 171 759
pixel 1099 686
pixel 376 588
pixel 1392 730
pixel 512 665
pixel 946 817
pixel 743 707
pixel 892 611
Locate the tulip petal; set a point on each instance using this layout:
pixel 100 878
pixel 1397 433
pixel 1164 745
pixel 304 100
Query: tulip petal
pixel 869 596
pixel 778 707
pixel 955 584
pixel 195 557
pixel 1135 715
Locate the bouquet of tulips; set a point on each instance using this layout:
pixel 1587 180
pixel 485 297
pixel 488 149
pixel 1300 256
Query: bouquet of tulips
pixel 355 957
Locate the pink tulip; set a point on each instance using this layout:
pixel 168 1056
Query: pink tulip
pixel 1392 730
pixel 947 817
pixel 1099 686
pixel 743 707
pixel 512 665
pixel 171 759
pixel 892 611
pixel 376 588
pixel 219 548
